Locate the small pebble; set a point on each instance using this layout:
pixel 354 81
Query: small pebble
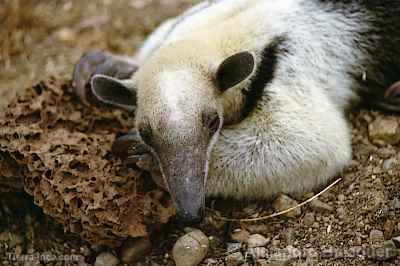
pixel 320 206
pixel 309 219
pixel 341 198
pixel 257 240
pixel 283 203
pixel 106 259
pixel 234 259
pixel 190 249
pixel 66 35
pixel 376 237
pixel 384 130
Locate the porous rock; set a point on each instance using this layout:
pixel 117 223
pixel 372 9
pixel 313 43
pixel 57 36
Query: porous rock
pixel 58 151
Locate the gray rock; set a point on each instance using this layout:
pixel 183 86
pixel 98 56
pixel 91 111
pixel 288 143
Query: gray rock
pixel 395 204
pixel 376 237
pixel 384 130
pixel 341 198
pixel 190 249
pixel 257 240
pixel 309 219
pixel 320 206
pixel 134 250
pixel 106 259
pixel 283 203
pixel 234 259
pixel 389 163
pixel 341 212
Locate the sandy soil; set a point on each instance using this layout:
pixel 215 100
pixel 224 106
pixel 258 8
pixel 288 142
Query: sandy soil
pixel 45 38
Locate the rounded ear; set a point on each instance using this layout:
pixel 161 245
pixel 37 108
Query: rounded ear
pixel 121 93
pixel 234 70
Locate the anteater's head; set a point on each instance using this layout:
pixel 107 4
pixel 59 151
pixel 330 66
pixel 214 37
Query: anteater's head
pixel 182 96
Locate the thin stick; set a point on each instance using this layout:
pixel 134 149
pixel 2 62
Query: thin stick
pixel 277 213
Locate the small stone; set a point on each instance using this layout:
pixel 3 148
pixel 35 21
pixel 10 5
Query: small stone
pixel 240 236
pixel 106 259
pixel 210 261
pixel 66 35
pixel 320 206
pixel 341 212
pixel 283 203
pixel 257 240
pixel 341 198
pixel 190 249
pixel 395 204
pixel 234 247
pixel 376 237
pixel 384 130
pixel 389 163
pixel 309 219
pixel 234 259
pixel 134 250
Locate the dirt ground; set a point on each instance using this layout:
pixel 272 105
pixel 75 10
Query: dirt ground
pixel 41 38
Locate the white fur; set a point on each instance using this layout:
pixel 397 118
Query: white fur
pixel 298 138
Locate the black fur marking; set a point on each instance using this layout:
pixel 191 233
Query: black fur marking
pixel 264 74
pixel 234 70
pixel 379 42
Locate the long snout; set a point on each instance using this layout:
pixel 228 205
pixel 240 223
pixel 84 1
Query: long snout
pixel 190 202
pixel 184 173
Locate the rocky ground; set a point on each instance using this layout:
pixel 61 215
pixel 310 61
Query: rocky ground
pixel 357 222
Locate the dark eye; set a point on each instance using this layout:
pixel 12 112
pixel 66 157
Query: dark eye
pixel 146 134
pixel 211 122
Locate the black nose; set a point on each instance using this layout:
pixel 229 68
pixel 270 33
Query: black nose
pixel 187 219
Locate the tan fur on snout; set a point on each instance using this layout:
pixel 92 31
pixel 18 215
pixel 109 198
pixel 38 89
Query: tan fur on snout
pixel 173 99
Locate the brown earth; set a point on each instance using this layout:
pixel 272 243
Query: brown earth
pixel 46 38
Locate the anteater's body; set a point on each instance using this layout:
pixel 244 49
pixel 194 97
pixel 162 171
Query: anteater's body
pixel 249 96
